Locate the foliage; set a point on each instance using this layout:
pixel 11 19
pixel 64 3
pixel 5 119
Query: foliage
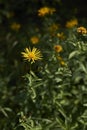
pixel 47 91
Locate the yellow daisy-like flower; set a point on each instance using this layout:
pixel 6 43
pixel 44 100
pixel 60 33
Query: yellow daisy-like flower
pixel 58 48
pixel 34 39
pixel 32 55
pixel 61 36
pixel 82 30
pixel 45 10
pixel 71 23
pixel 15 26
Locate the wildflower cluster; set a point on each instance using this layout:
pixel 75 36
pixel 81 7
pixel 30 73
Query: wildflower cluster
pixel 46 85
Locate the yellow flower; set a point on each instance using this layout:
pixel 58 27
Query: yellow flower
pixel 32 55
pixel 61 36
pixel 34 39
pixel 71 23
pixel 62 63
pixel 81 30
pixel 15 26
pixel 58 48
pixel 45 10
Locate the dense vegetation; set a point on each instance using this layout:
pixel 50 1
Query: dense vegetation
pixel 43 65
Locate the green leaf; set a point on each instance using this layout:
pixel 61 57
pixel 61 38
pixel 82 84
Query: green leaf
pixel 73 54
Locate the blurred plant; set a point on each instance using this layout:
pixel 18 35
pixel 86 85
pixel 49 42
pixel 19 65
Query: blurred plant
pixel 58 48
pixel 82 30
pixel 54 27
pixel 71 23
pixel 34 39
pixel 46 10
pixel 61 36
pixel 61 61
pixel 15 26
pixel 10 14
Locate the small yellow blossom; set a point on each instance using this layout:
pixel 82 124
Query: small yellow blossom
pixel 32 55
pixel 15 26
pixel 58 48
pixel 61 36
pixel 82 30
pixel 45 10
pixel 71 23
pixel 34 39
pixel 62 63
